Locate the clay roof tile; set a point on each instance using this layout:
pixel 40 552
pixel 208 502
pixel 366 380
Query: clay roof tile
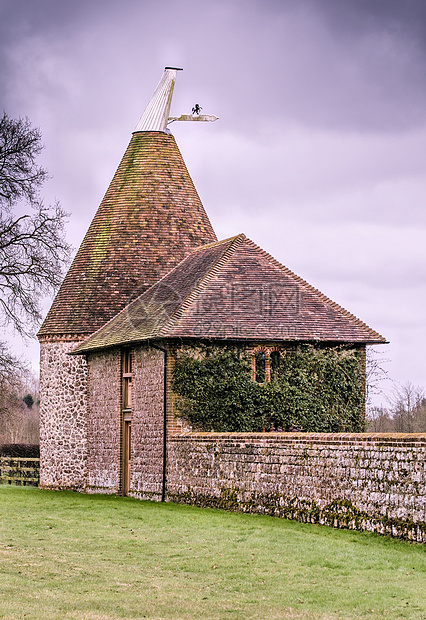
pixel 232 290
pixel 150 218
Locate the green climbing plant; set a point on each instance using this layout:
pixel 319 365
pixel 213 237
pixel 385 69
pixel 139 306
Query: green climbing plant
pixel 317 389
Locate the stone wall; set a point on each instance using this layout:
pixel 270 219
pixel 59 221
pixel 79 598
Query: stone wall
pixel 356 481
pixel 80 421
pixel 63 412
pixel 103 422
pixel 147 423
pixel 374 482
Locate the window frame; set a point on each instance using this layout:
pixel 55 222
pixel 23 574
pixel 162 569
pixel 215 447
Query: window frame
pixel 126 378
pixel 270 370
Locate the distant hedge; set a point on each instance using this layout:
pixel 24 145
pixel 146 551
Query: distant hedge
pixel 28 450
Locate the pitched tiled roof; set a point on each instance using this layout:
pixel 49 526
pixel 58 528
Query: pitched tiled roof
pixel 233 290
pixel 150 218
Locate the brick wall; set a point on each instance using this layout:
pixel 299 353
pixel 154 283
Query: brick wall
pixel 103 422
pixel 104 433
pixel 63 408
pixel 357 481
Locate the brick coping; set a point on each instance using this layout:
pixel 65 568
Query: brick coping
pixel 322 438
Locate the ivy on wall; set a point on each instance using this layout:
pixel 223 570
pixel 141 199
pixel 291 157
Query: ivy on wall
pixel 320 390
pixel 317 389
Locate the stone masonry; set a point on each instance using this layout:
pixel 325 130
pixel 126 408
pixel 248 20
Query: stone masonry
pixel 63 415
pixel 103 422
pixel 374 482
pixel 356 481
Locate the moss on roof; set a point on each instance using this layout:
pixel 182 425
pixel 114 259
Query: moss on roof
pixel 232 290
pixel 150 218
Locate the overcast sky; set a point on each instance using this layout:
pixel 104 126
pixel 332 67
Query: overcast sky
pixel 319 155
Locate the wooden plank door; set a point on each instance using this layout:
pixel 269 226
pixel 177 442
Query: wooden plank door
pixel 127 455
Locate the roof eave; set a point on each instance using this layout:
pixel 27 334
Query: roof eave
pixel 81 350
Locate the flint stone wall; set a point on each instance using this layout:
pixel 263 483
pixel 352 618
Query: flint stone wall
pixel 63 415
pixel 356 481
pixel 374 482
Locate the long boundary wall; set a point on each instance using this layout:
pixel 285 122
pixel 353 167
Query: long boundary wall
pixel 373 482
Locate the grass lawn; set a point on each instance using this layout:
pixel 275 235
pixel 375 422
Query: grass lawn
pixel 67 555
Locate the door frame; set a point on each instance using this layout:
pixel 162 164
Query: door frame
pixel 126 465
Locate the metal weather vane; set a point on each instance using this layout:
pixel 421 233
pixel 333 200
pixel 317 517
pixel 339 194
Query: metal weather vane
pixel 195 116
pixel 156 115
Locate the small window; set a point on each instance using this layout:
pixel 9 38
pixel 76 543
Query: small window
pixel 260 367
pixel 275 360
pixel 127 380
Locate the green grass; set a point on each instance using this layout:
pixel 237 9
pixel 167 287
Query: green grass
pixel 67 555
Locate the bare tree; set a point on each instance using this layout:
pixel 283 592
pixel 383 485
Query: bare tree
pixel 19 423
pixel 379 420
pixel 407 405
pixel 420 417
pixel 33 250
pixel 20 145
pixel 376 374
pixel 405 413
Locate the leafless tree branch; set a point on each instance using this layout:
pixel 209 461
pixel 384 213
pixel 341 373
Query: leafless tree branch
pixel 33 249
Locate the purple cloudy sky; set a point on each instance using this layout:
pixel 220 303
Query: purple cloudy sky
pixel 319 154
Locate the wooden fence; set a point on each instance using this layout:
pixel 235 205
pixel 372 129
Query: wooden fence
pixel 21 471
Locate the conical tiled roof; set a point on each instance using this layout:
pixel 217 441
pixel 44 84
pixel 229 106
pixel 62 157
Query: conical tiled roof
pixel 150 218
pixel 232 290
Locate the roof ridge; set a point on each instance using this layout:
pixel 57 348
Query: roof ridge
pixel 312 289
pixel 216 243
pixel 234 242
pixel 166 275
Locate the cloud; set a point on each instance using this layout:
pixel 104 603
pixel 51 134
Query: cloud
pixel 319 151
